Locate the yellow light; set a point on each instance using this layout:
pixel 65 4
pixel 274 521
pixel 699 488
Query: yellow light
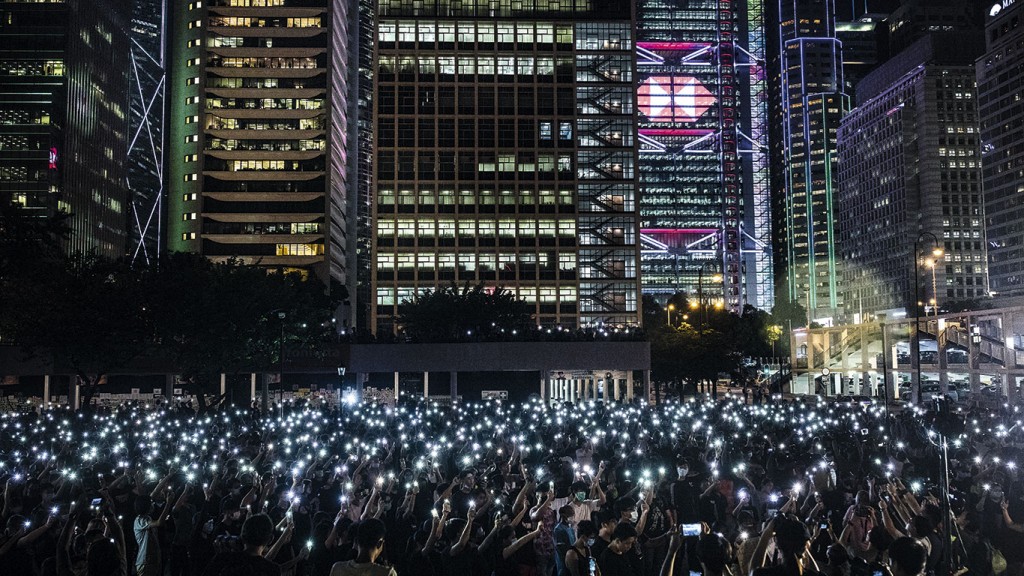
pixel 694 305
pixel 671 306
pixel 938 252
pixel 716 278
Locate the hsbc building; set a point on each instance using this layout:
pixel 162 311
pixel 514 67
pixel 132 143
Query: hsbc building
pixel 702 109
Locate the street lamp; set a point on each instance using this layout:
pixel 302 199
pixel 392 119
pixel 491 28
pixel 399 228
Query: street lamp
pixel 668 313
pixel 933 263
pixel 936 252
pixel 700 291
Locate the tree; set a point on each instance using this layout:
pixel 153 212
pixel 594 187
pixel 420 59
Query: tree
pixel 223 317
pixel 472 312
pixel 87 312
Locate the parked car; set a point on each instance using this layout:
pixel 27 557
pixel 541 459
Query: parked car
pixel 929 390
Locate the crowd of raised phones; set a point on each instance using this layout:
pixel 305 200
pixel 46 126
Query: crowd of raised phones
pixel 709 488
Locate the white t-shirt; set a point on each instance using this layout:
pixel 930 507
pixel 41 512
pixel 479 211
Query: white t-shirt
pixel 351 568
pixel 581 510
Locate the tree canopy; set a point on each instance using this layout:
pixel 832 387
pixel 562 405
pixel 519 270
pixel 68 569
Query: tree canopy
pixel 453 313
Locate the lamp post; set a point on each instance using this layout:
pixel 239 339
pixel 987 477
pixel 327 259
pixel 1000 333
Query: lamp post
pixel 668 313
pixel 933 263
pixel 700 292
pixel 936 251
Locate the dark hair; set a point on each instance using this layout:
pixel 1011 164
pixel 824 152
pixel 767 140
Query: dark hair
pixel 566 510
pixel 578 486
pixel 258 530
pixel 909 555
pixel 714 552
pixel 143 505
pixel 622 504
pixel 923 526
pixel 103 558
pixel 624 531
pixel 791 535
pixel 605 516
pixel 370 533
pixel 880 538
pixel 586 528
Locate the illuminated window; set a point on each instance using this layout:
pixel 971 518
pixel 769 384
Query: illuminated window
pixel 300 250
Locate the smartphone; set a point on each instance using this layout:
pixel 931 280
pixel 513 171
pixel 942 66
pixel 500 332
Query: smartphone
pixel 593 566
pixel 772 512
pixel 96 503
pixel 876 573
pixel 689 529
pixel 694 573
pixel 824 525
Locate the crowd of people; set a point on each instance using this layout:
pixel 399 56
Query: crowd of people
pixel 711 488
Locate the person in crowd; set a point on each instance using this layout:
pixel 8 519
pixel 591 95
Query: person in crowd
pixel 499 489
pixel 369 546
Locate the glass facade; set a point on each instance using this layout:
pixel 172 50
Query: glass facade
pixel 146 99
pixel 811 102
pixel 703 170
pixel 64 116
pixel 504 154
pixel 910 165
pixel 1001 113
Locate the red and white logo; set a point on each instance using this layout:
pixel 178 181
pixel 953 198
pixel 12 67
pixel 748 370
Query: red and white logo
pixel 674 98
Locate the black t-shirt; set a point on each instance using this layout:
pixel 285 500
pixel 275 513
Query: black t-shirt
pixel 600 545
pixel 613 564
pixel 241 564
pixel 781 570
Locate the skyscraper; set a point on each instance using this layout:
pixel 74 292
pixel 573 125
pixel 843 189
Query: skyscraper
pixel 1000 78
pixel 505 154
pixel 910 168
pixel 704 169
pixel 145 162
pixel 260 106
pixel 808 102
pixel 63 116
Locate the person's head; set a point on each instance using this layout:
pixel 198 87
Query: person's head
pixel 837 555
pixel 370 539
pixel 714 553
pixel 468 479
pixel 566 514
pixel 908 557
pixel 143 505
pixel 579 491
pixel 15 523
pixel 586 531
pixel 880 539
pixel 623 537
pixel 920 526
pixel 257 533
pixel 862 498
pixel 606 522
pixel 791 536
pixel 625 509
pixel 103 558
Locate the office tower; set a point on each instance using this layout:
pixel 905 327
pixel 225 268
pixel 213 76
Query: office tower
pixel 910 168
pixel 807 104
pixel 1000 77
pixel 63 116
pixel 914 19
pixel 505 154
pixel 259 130
pixel 145 165
pixel 702 98
pixel 862 42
